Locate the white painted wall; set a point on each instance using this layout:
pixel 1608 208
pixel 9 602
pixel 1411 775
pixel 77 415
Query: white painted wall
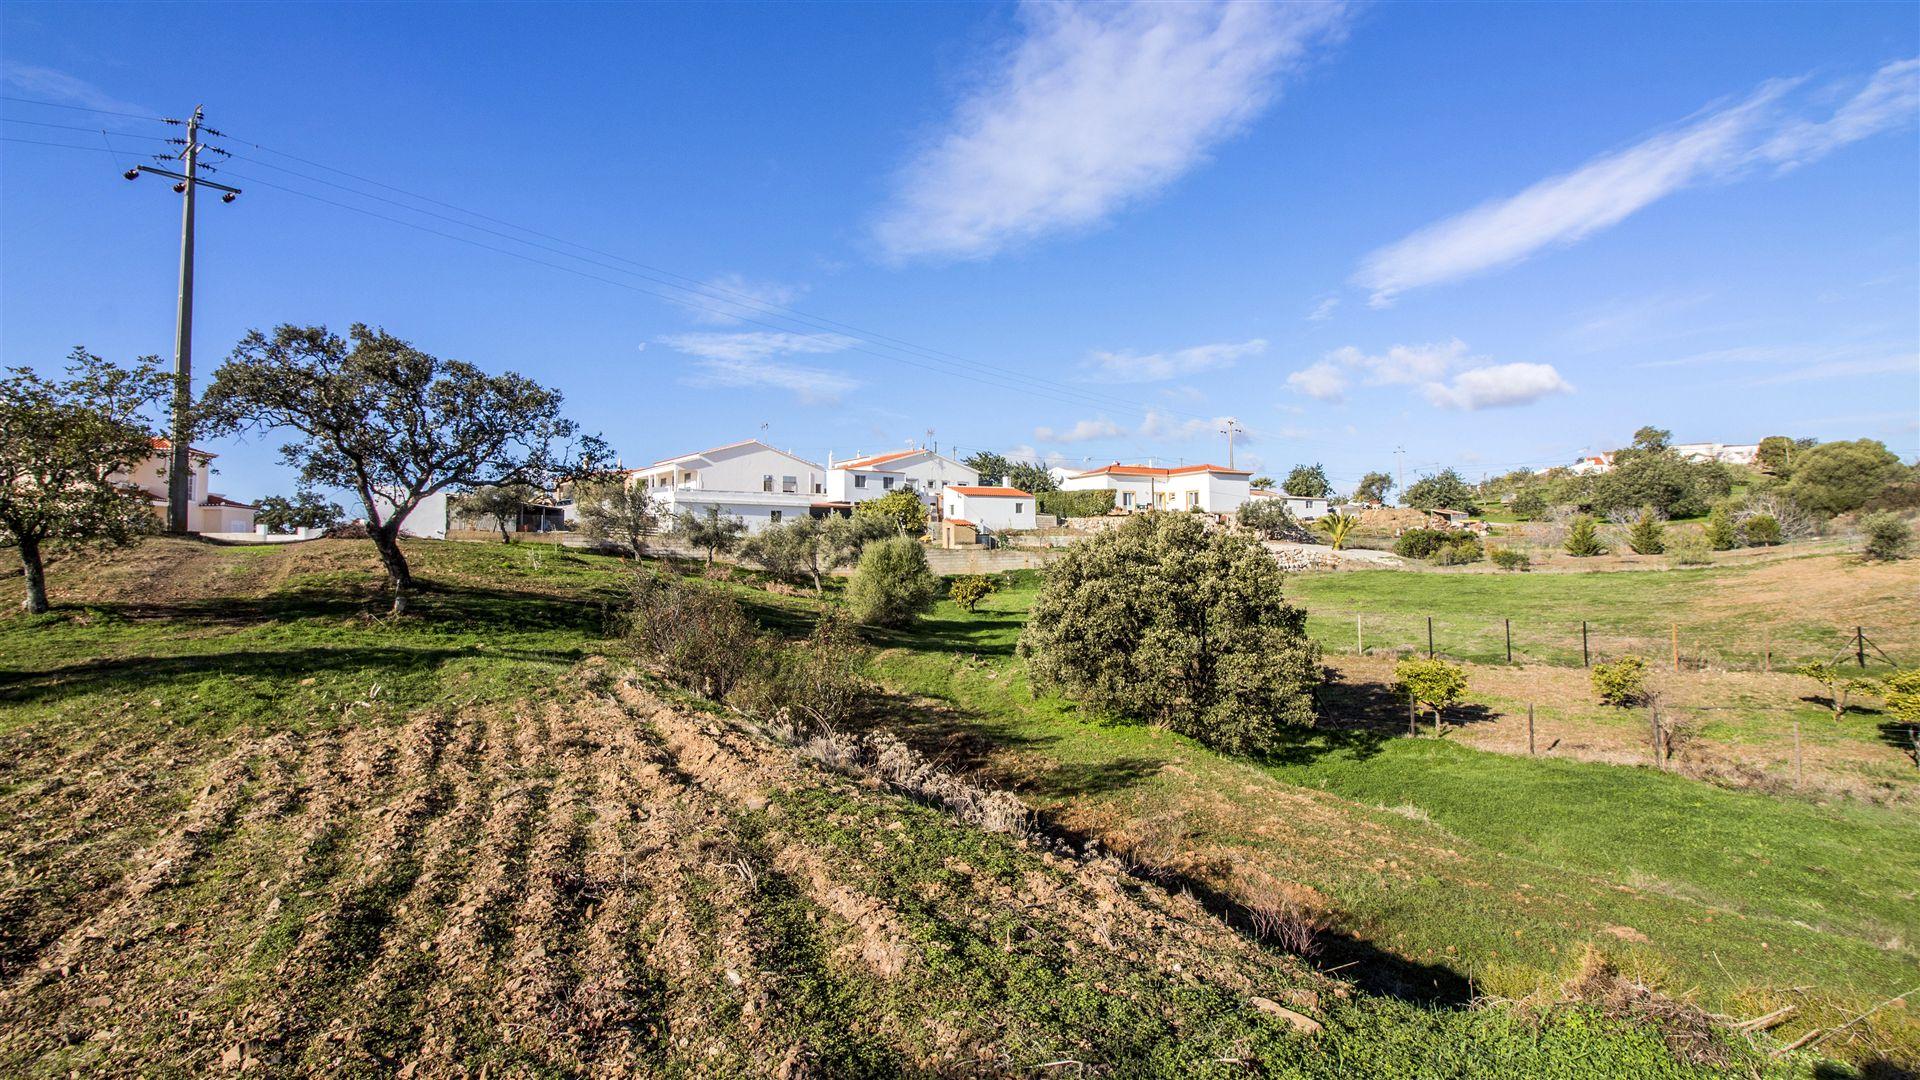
pixel 927 473
pixel 997 512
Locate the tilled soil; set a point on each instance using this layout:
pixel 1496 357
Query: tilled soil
pixel 599 883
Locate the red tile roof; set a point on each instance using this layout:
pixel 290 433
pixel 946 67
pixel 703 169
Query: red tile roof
pixel 877 459
pixel 1117 469
pixel 222 500
pixel 962 521
pixel 167 444
pixel 990 492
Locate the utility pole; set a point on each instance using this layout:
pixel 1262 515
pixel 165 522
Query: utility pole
pixel 1400 469
pixel 1233 425
pixel 180 457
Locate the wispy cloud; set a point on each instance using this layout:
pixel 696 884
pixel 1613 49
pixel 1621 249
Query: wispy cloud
pixel 1475 383
pixel 1323 310
pixel 45 82
pixel 1839 369
pixel 1126 367
pixel 1717 146
pixel 1080 431
pixel 748 361
pixel 1497 386
pixel 1092 108
pixel 730 298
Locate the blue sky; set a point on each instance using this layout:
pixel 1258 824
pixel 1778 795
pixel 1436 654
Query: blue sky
pixel 1491 234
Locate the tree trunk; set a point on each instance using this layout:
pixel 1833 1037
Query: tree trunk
pixel 505 536
pixel 386 541
pixel 36 601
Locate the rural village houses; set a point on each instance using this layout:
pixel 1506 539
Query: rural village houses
pixel 207 512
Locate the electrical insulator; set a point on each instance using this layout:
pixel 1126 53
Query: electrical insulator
pixel 132 174
pixel 181 186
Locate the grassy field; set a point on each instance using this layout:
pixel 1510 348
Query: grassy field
pixel 1491 868
pixel 1801 609
pixel 249 823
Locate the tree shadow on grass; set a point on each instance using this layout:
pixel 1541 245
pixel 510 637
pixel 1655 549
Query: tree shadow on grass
pixel 141 674
pixel 1902 737
pixel 970 743
pixel 1358 719
pixel 945 636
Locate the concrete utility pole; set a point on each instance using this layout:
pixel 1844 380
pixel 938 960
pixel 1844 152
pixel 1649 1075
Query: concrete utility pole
pixel 1233 425
pixel 1400 469
pixel 180 458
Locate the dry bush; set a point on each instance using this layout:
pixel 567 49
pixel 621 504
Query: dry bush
pixel 1281 914
pixel 695 636
pixel 814 685
pixel 1687 1030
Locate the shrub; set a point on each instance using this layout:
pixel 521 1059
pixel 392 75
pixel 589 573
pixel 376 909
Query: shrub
pixel 1075 503
pixel 1164 621
pixel 1838 682
pixel 1888 536
pixel 817 680
pixel 1459 550
pixel 1648 535
pixel 901 509
pixel 1693 550
pixel 1510 558
pixel 1531 506
pixel 1621 682
pixel 1419 543
pixel 1583 538
pixel 1761 530
pixel 1269 519
pixel 1721 533
pixel 1436 684
pixel 695 635
pixel 714 530
pixel 1901 691
pixel 892 585
pixel 968 590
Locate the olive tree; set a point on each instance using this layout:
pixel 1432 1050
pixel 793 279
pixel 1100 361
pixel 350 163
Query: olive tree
pixel 1166 621
pixel 902 509
pixel 713 530
pixel 1373 488
pixel 61 443
pixel 1308 482
pixel 616 512
pixel 810 549
pixel 499 502
pixel 307 509
pixel 893 585
pixel 395 425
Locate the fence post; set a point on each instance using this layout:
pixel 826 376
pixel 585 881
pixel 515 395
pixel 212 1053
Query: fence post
pixel 1586 658
pixel 1766 649
pixel 1413 720
pixel 1509 623
pixel 1654 733
pixel 1529 729
pixel 1860 645
pixel 1359 639
pixel 1796 753
pixel 1429 637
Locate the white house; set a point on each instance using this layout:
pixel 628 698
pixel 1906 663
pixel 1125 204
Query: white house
pixel 921 471
pixel 1208 488
pixel 206 511
pixel 1727 454
pixel 994 509
pixel 1303 507
pixel 755 482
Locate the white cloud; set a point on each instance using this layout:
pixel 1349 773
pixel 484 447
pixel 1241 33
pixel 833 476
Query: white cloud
pixel 60 86
pixel 1081 431
pixel 1497 386
pixel 1094 107
pixel 1157 367
pixel 728 299
pixel 1718 146
pixel 1323 310
pixel 1324 381
pixel 747 361
pixel 1402 364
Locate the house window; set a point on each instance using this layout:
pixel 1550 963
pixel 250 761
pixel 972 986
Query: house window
pixel 766 482
pixel 819 488
pixel 859 481
pixel 773 516
pixel 1019 507
pixel 1126 500
pixel 1193 500
pixel 790 484
pixel 887 482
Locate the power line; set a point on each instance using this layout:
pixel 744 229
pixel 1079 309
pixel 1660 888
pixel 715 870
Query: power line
pixel 77 127
pixel 85 108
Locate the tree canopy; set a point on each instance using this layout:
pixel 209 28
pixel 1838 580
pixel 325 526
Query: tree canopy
pixel 498 503
pixel 1443 489
pixel 902 509
pixel 1308 481
pixel 1373 488
pixel 1839 477
pixel 374 415
pixel 61 443
pixel 307 509
pixel 616 512
pixel 1166 621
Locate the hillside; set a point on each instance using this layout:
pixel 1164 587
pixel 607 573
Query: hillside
pixel 248 822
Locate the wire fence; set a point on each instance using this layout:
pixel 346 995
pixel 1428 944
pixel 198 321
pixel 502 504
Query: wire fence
pixel 1583 643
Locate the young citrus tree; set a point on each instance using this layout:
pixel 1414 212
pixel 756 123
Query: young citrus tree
pixel 1436 684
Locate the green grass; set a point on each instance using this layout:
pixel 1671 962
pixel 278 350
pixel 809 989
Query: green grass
pixel 1739 895
pixel 1627 611
pixel 489 623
